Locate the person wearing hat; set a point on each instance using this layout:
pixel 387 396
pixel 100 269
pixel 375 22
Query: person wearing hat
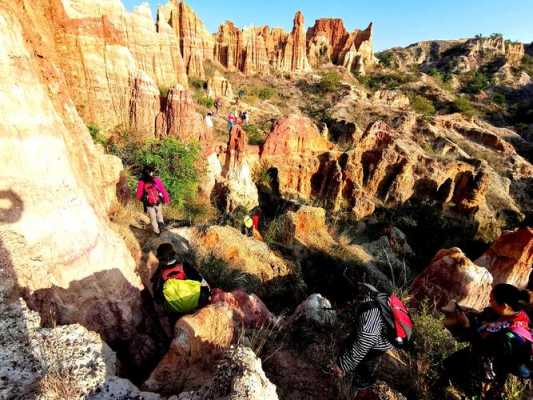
pixel 177 284
pixel 247 226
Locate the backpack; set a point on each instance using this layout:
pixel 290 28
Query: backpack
pixel 182 296
pixel 153 198
pixel 398 323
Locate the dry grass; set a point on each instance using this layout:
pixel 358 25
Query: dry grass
pixel 265 340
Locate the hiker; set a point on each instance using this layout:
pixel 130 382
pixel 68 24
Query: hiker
pixel 151 191
pixel 232 120
pixel 382 322
pixel 218 104
pixel 209 121
pixel 177 284
pixel 247 226
pixel 244 118
pixel 500 344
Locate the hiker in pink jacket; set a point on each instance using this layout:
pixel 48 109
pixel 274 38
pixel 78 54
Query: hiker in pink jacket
pixel 151 191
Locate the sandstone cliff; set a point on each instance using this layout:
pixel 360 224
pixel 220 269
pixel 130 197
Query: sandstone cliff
pixel 56 242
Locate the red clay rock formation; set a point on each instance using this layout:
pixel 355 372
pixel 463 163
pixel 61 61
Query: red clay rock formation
pixel 248 309
pixel 329 42
pixel 195 41
pixel 144 106
pixel 258 50
pixel 510 258
pixel 180 120
pixel 452 276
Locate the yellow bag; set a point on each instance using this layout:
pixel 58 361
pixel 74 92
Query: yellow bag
pixel 182 296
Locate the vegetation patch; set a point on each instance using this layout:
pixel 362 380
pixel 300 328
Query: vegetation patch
pixel 422 105
pixel 463 105
pixel 96 134
pixel 476 82
pixel 389 81
pixel 204 100
pixel 329 82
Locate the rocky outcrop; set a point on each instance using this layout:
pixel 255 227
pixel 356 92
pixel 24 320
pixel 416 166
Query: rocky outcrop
pixel 239 376
pixel 237 189
pixel 258 50
pixel 248 309
pixel 180 120
pixel 452 276
pixel 101 47
pixel 218 86
pixel 510 258
pixel 258 268
pixel 199 343
pixel 195 41
pixel 56 241
pixel 328 41
pixel 62 362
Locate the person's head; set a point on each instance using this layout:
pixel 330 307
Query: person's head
pixel 209 114
pixel 148 173
pixel 507 299
pixel 166 254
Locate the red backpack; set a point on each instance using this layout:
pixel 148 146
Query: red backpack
pixel 399 324
pixel 151 192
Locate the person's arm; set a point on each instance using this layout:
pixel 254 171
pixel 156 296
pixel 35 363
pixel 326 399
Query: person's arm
pixel 140 190
pixel 367 337
pixel 163 190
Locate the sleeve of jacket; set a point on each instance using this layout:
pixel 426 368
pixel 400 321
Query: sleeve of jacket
pixel 368 331
pixel 140 190
pixel 163 190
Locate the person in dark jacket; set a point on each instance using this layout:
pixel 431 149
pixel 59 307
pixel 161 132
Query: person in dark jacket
pixel 366 346
pixel 500 344
pixel 173 266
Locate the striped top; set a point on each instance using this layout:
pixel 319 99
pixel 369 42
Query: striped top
pixel 369 336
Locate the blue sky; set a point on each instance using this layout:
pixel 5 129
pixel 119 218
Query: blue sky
pixel 396 22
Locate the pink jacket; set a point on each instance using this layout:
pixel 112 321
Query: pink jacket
pixel 158 184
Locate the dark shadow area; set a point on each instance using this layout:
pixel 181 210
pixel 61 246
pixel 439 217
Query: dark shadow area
pixel 15 340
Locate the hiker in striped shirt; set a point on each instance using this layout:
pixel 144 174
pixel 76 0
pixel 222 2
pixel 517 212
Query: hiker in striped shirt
pixel 365 347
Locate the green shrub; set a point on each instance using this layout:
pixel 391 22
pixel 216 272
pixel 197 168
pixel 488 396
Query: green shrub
pixel 96 134
pixel 422 105
pixel 330 82
pixel 255 135
pixel 463 105
pixel 499 98
pixel 204 100
pixel 477 83
pixel 219 274
pixel 385 81
pixel 198 83
pixel 163 91
pixel 386 59
pixel 527 64
pixel 175 163
pixel 266 93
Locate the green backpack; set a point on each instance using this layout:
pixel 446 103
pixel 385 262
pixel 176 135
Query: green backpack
pixel 182 296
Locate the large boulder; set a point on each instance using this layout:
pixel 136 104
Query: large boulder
pixel 199 342
pixel 250 263
pixel 219 86
pixel 510 258
pixel 239 376
pixel 248 309
pixel 63 362
pixel 452 276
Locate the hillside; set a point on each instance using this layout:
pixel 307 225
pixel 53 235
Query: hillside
pixel 410 169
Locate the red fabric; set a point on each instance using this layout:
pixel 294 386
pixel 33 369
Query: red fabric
pixel 402 321
pixel 255 220
pixel 518 324
pixel 158 184
pixel 175 272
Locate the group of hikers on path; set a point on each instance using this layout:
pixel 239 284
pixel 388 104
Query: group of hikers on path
pixel 499 338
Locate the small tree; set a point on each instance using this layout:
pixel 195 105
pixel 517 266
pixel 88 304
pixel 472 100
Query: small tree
pixel 330 82
pixel 477 83
pixel 422 105
pixel 175 163
pixel 463 105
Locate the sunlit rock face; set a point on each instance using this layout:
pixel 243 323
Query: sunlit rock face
pixel 56 188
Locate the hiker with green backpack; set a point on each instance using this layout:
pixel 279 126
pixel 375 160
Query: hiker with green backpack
pixel 383 322
pixel 177 284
